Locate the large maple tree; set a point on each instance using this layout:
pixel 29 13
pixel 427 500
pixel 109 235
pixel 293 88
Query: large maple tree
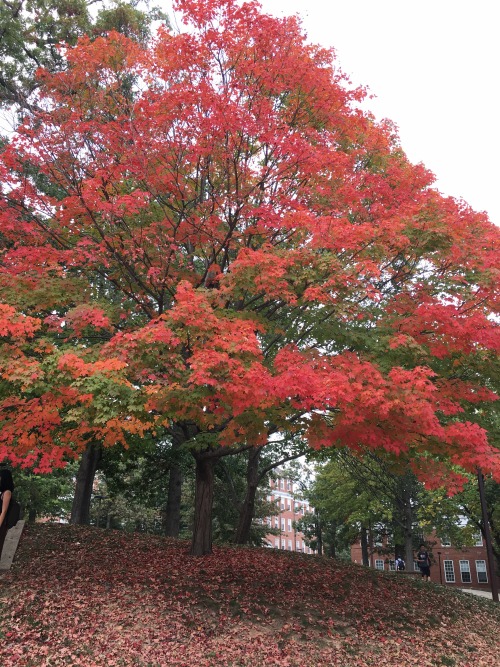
pixel 208 235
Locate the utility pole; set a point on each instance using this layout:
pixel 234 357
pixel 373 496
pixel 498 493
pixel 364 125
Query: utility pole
pixel 487 537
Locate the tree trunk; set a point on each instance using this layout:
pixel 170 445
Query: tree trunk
pixel 242 534
pixel 172 521
pixel 332 546
pixel 203 501
pixel 364 547
pixel 319 534
pixel 407 515
pixel 80 510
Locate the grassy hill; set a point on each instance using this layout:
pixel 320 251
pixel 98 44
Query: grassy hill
pixel 83 596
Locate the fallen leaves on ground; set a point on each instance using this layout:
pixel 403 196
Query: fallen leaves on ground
pixel 83 596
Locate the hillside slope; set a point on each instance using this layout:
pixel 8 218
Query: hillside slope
pixel 83 596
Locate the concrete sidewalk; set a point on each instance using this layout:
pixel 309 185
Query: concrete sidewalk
pixel 10 546
pixel 482 594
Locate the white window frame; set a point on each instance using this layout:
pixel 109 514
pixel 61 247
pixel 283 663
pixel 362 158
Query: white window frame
pixel 379 564
pixel 392 565
pixel 289 525
pixel 482 571
pixel 415 566
pixel 283 525
pixel 478 540
pixel 445 542
pixel 465 569
pixel 449 574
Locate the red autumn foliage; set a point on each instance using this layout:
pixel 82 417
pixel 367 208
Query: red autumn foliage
pixel 212 232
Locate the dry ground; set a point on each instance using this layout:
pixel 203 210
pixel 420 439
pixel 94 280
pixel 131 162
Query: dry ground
pixel 84 596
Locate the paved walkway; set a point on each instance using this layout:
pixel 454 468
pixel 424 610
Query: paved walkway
pixel 473 591
pixel 10 545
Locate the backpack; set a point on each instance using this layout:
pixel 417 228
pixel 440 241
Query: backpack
pixel 13 513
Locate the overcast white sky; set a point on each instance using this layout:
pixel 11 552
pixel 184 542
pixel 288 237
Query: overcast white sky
pixel 434 68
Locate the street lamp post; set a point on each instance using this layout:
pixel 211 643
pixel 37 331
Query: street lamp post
pixel 440 571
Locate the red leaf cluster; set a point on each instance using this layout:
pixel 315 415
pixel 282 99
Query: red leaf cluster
pixel 218 234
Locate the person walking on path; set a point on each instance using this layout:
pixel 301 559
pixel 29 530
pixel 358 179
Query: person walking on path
pixel 399 563
pixel 424 562
pixel 6 488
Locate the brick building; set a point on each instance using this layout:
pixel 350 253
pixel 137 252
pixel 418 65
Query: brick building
pixel 290 508
pixel 451 566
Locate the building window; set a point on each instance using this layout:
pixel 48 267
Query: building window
pixel 392 565
pixel 415 566
pixel 482 574
pixel 283 524
pixel 445 542
pixel 449 572
pixel 379 564
pixel 276 544
pixel 283 544
pixel 289 545
pixel 297 545
pixel 465 572
pixel 276 522
pixel 478 540
pixel 289 525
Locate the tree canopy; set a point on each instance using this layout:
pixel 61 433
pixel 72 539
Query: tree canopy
pixel 207 232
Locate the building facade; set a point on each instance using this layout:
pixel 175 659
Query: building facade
pixel 451 566
pixel 290 508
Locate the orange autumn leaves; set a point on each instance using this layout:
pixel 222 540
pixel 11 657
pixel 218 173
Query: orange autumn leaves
pixel 211 231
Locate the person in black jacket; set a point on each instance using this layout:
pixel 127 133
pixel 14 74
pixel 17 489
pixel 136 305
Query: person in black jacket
pixel 6 488
pixel 424 563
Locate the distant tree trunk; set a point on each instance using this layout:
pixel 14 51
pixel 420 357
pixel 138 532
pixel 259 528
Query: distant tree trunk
pixel 80 509
pixel 407 515
pixel 203 501
pixel 172 521
pixel 409 550
pixel 242 534
pixel 364 546
pixel 332 546
pixel 319 533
